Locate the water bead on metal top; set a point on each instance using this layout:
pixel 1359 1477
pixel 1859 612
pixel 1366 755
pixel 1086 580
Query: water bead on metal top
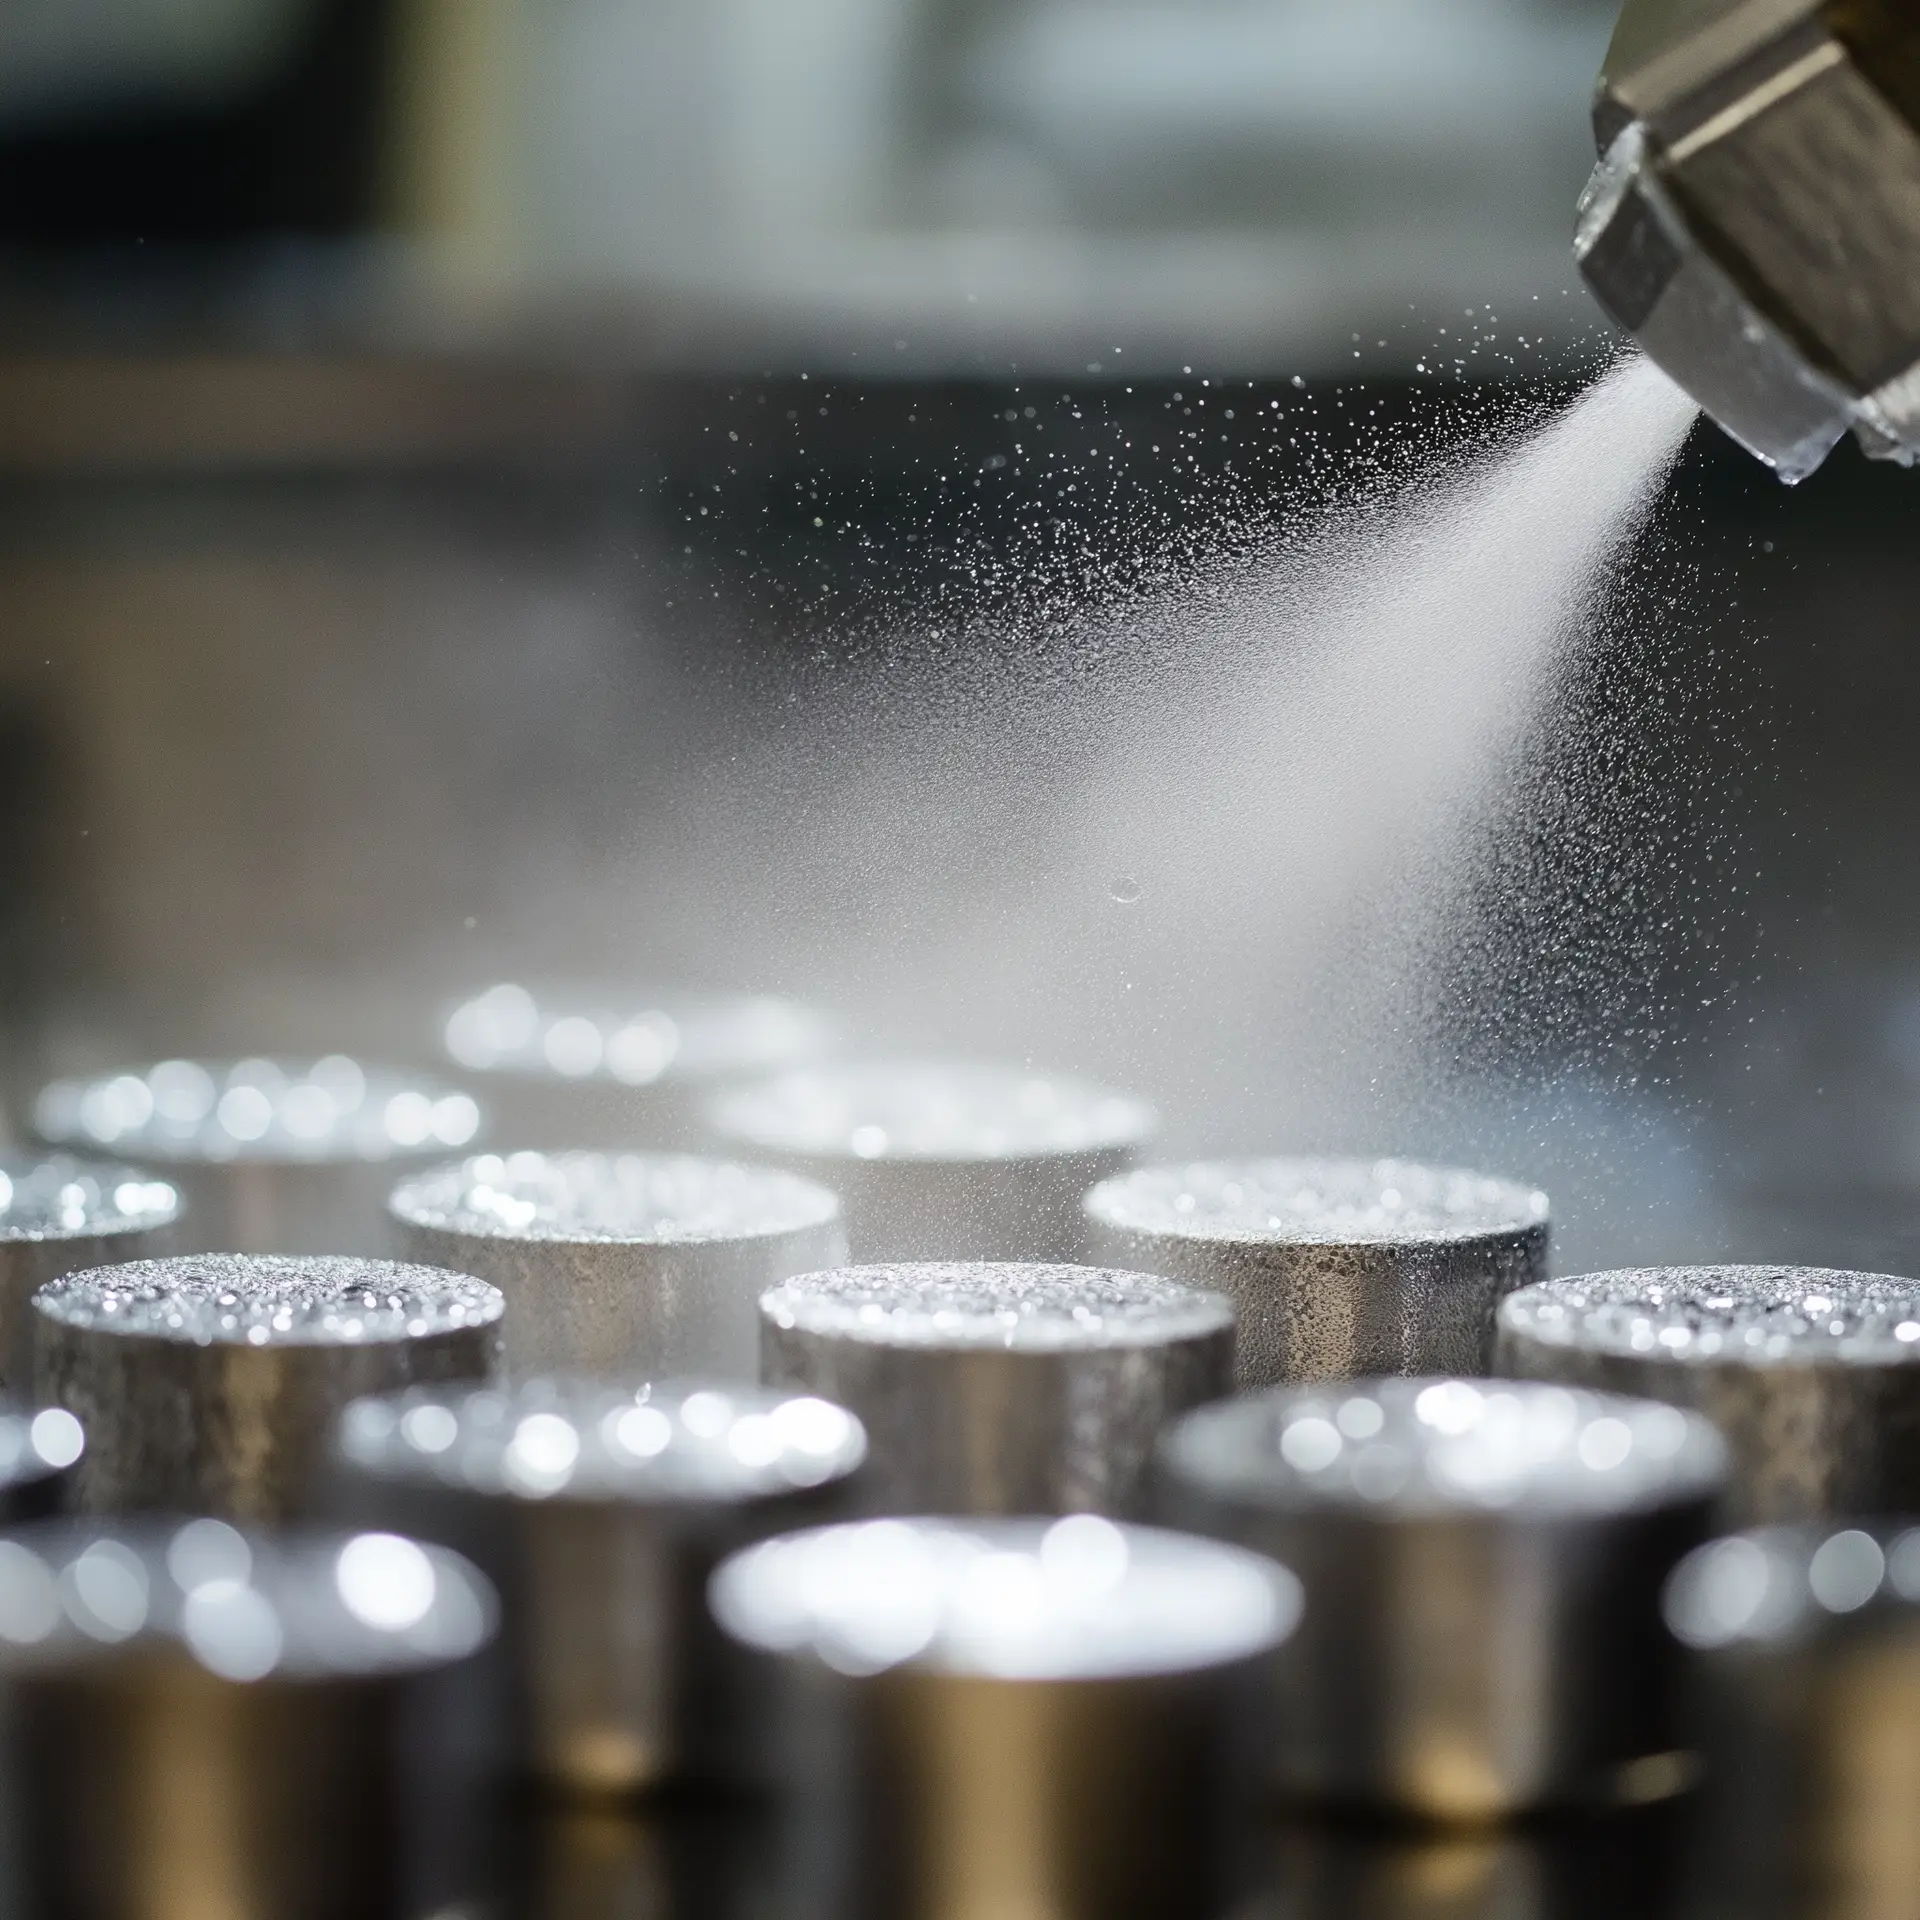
pixel 1338 1267
pixel 272 1155
pixel 622 1264
pixel 212 1381
pixel 1000 1387
pixel 289 1678
pixel 1482 1562
pixel 58 1213
pixel 1012 1717
pixel 1811 1373
pixel 942 1160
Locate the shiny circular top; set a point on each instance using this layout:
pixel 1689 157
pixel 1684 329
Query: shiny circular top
pixel 1027 1308
pixel 650 1198
pixel 1437 1446
pixel 913 1110
pixel 270 1299
pixel 57 1197
pixel 1781 1584
pixel 1747 1316
pixel 630 1036
pixel 244 1606
pixel 190 1111
pixel 587 1440
pixel 1316 1203
pixel 1072 1599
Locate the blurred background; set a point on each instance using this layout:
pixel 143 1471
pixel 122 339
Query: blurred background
pixel 492 489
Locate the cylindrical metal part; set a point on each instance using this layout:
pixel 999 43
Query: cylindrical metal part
pixel 1000 1388
pixel 631 1265
pixel 937 1161
pixel 200 1722
pixel 1338 1268
pixel 270 1156
pixel 1806 1653
pixel 1812 1375
pixel 1482 1564
pixel 58 1215
pixel 1008 1717
pixel 562 1065
pixel 600 1512
pixel 211 1382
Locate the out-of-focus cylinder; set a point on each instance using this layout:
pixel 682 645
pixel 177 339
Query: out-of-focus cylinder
pixel 202 1723
pixel 270 1156
pixel 1000 1388
pixel 632 1264
pixel 39 1450
pixel 211 1382
pixel 1338 1268
pixel 1482 1565
pixel 938 1161
pixel 1812 1375
pixel 57 1215
pixel 600 1512
pixel 1806 1645
pixel 1008 1717
pixel 562 1065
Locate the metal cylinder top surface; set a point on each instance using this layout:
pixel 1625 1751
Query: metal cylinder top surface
pixel 1014 1717
pixel 635 1264
pixel 271 1155
pixel 1482 1563
pixel 212 1381
pixel 1338 1268
pixel 209 1721
pixel 57 1214
pixel 1811 1373
pixel 942 1160
pixel 999 1387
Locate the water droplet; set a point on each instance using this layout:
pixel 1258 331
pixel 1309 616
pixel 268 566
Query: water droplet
pixel 1124 888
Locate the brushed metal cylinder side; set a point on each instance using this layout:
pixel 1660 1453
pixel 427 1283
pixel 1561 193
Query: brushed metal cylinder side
pixel 986 1420
pixel 1819 1423
pixel 1321 1295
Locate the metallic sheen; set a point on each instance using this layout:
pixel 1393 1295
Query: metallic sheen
pixel 1000 1388
pixel 1482 1565
pixel 1812 1375
pixel 210 1383
pixel 1337 1268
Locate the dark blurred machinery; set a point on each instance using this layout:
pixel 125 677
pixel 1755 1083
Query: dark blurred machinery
pixel 1755 217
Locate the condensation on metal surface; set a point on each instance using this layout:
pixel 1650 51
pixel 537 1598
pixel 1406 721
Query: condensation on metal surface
pixel 970 1304
pixel 1079 1599
pixel 58 1197
pixel 648 1198
pixel 584 1440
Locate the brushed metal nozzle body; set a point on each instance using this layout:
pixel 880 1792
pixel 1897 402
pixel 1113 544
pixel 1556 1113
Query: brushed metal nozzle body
pixel 1336 1268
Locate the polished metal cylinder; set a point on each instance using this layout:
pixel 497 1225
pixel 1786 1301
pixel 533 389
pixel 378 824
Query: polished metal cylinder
pixel 600 1512
pixel 270 1156
pixel 1482 1564
pixel 1000 1388
pixel 1806 1653
pixel 1338 1268
pixel 1812 1375
pixel 937 1161
pixel 1007 1717
pixel 631 1264
pixel 568 1065
pixel 58 1215
pixel 200 1722
pixel 211 1382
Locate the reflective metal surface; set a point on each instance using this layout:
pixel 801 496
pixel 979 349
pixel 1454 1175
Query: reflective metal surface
pixel 1336 1268
pixel 211 1382
pixel 600 1513
pixel 623 1264
pixel 1812 1375
pixel 998 1387
pixel 1482 1567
